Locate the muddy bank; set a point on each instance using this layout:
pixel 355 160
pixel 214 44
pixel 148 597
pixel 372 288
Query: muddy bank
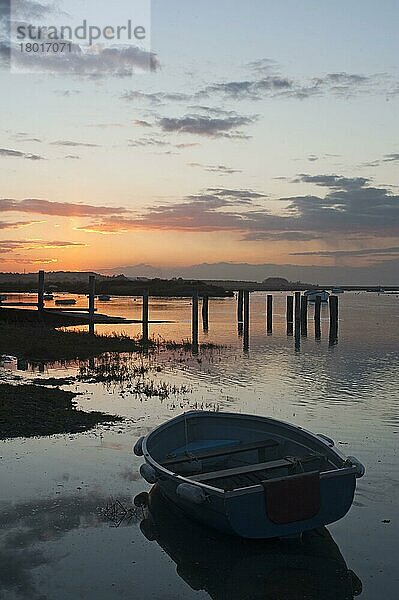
pixel 27 411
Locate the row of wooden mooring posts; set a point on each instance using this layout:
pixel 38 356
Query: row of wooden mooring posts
pixel 296 316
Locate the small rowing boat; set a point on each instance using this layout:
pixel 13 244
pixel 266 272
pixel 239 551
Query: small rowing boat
pixel 252 476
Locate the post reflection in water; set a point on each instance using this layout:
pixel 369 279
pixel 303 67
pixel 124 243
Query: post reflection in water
pixel 229 568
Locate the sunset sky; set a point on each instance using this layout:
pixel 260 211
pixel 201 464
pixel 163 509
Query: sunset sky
pixel 259 132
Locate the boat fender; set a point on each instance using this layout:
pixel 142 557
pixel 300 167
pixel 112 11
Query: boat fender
pixel 354 462
pixel 148 473
pixel 138 447
pixel 191 493
pixel 329 441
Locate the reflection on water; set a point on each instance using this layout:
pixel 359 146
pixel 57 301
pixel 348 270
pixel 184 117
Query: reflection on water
pixel 347 390
pixel 231 569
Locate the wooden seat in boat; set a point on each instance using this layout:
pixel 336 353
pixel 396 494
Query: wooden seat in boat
pixel 249 475
pixel 221 451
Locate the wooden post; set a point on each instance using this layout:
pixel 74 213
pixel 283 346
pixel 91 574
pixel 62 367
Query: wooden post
pixel 40 291
pixel 246 321
pixel 92 292
pixel 205 312
pixel 194 321
pixel 297 309
pixel 297 316
pixel 333 302
pixel 240 302
pixel 290 315
pixel 290 309
pixel 304 316
pixel 317 309
pixel 145 317
pixel 269 313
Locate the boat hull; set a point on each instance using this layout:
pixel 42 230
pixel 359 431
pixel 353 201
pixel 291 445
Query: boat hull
pixel 245 514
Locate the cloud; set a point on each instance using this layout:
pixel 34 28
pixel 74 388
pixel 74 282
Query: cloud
pixel 94 62
pixel 141 123
pixel 352 210
pixel 218 169
pixel 16 224
pixel 275 85
pixel 204 125
pixel 392 251
pixel 148 141
pixel 72 144
pixel 31 9
pixel 52 208
pixel 11 245
pixel 263 65
pixel 155 97
pixel 391 157
pixel 284 236
pixel 6 153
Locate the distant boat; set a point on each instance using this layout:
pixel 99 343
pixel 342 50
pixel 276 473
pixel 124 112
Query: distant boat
pixel 337 290
pixel 104 298
pixel 239 473
pixel 48 297
pixel 65 301
pixel 312 295
pixel 3 297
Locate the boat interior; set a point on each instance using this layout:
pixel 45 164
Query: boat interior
pixel 244 455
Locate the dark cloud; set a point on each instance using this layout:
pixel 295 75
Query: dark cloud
pixel 204 125
pixel 334 181
pixel 5 152
pixel 351 210
pixel 51 208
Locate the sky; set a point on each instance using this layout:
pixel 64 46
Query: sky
pixel 262 133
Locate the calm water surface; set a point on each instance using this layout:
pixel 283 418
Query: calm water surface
pixel 65 536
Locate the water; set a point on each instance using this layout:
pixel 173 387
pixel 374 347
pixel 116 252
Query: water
pixel 59 539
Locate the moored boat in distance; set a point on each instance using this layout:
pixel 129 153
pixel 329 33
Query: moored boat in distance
pixel 337 290
pixel 65 301
pixel 48 297
pixel 3 298
pixel 251 476
pixel 104 297
pixel 313 294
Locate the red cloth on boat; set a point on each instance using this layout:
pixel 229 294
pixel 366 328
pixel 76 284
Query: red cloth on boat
pixel 293 498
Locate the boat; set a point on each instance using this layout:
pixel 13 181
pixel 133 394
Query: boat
pixel 65 301
pixel 251 476
pixel 3 297
pixel 48 297
pixel 104 297
pixel 226 567
pixel 313 294
pixel 337 290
